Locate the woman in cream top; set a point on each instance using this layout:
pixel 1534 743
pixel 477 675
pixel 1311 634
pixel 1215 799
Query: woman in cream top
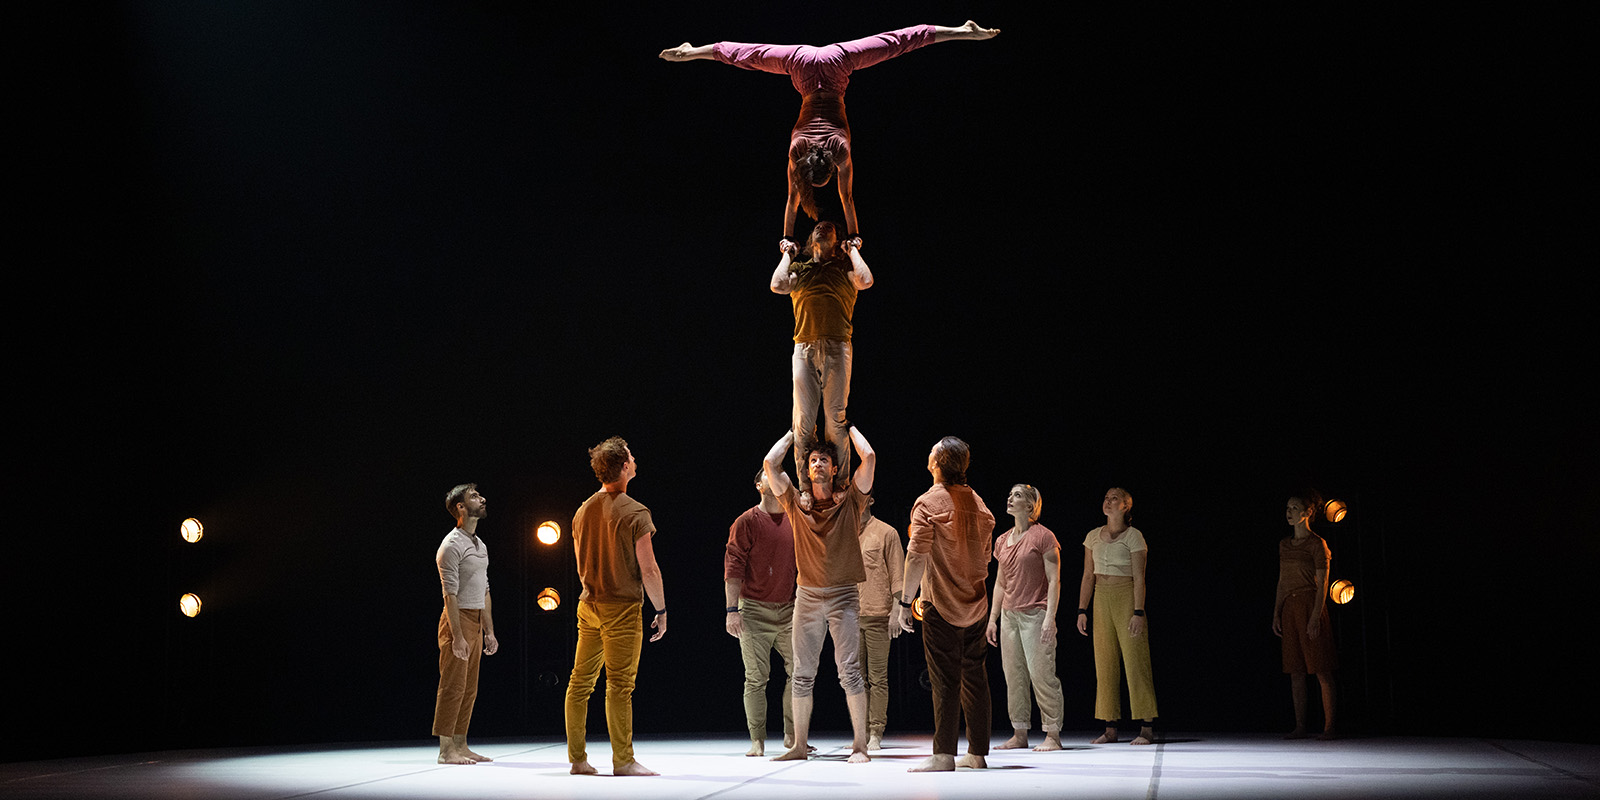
pixel 1113 578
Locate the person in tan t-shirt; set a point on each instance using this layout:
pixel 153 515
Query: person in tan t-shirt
pixel 827 551
pixel 612 535
pixel 1300 612
pixel 822 290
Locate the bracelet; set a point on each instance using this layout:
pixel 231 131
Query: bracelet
pixel 732 609
pixel 662 611
pixel 1138 612
pixel 904 604
pixel 1084 611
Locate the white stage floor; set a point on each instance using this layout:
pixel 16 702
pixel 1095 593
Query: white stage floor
pixel 1184 766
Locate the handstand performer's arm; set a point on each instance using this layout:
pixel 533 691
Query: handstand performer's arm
pixel 847 197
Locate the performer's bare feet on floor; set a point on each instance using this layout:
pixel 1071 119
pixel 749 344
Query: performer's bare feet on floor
pixel 874 743
pixel 632 768
pixel 970 761
pixel 1146 736
pixel 757 748
pixel 1109 737
pixel 938 762
pixel 1017 741
pixel 1052 741
pixel 794 753
pixel 454 758
pixel 583 768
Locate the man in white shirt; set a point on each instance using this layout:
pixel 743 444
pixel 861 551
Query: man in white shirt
pixel 466 626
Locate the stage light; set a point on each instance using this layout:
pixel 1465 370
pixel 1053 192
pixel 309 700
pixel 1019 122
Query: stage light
pixel 1342 591
pixel 917 607
pixel 189 604
pixel 548 533
pixel 549 599
pixel 1336 509
pixel 191 530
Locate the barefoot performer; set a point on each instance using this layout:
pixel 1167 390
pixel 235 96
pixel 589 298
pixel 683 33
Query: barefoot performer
pixel 1114 557
pixel 819 145
pixel 466 626
pixel 1022 618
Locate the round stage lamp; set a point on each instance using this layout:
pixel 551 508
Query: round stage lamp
pixel 917 608
pixel 191 530
pixel 549 599
pixel 1335 510
pixel 548 532
pixel 1342 591
pixel 189 604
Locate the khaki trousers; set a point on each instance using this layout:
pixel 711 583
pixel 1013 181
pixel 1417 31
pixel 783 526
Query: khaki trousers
pixel 875 658
pixel 767 627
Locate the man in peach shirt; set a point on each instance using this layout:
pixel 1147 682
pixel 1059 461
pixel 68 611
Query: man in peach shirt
pixel 949 558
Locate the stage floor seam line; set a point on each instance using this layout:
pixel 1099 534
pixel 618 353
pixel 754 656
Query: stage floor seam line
pixel 1546 765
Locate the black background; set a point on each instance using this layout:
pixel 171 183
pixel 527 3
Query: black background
pixel 296 269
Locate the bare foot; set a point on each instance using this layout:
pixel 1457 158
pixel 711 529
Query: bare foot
pixel 1109 737
pixel 454 758
pixel 795 753
pixel 788 741
pixel 583 768
pixel 970 761
pixel 1146 736
pixel 477 757
pixel 874 743
pixel 1052 741
pixel 972 31
pixel 679 53
pixel 757 748
pixel 1297 733
pixel 938 762
pixel 632 768
pixel 1328 735
pixel 1017 741
pixel 859 757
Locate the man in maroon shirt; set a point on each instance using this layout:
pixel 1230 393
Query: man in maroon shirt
pixel 758 573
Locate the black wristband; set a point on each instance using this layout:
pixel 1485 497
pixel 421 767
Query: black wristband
pixel 1138 612
pixel 1083 611
pixel 732 609
pixel 904 604
pixel 660 612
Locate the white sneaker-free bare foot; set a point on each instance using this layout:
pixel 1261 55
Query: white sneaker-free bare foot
pixel 938 762
pixel 970 761
pixel 1146 736
pixel 1052 741
pixel 477 757
pixel 1109 737
pixel 453 757
pixel 794 753
pixel 874 743
pixel 858 757
pixel 1017 741
pixel 583 768
pixel 632 768
pixel 757 748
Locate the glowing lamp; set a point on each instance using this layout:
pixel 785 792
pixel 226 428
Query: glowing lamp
pixel 191 530
pixel 1342 591
pixel 548 532
pixel 549 599
pixel 1336 509
pixel 189 604
pixel 918 607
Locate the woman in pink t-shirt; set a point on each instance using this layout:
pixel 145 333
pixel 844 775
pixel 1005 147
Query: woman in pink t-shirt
pixel 819 145
pixel 1022 619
